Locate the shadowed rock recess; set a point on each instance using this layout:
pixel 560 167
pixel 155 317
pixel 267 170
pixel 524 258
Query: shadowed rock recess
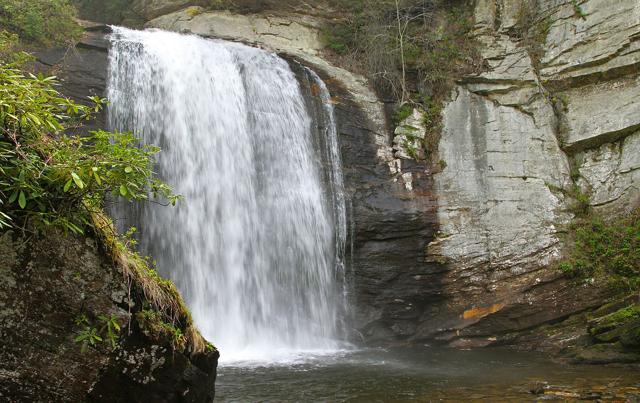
pixel 467 255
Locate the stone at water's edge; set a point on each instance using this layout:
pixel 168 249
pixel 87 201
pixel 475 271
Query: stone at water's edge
pixel 46 284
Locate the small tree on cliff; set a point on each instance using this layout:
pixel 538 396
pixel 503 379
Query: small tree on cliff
pixel 43 22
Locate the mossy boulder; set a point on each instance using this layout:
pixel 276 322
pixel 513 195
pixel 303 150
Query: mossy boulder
pixel 55 288
pixel 622 325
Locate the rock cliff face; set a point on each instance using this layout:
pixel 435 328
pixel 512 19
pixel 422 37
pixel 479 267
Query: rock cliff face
pixel 52 287
pixel 543 116
pixel 465 254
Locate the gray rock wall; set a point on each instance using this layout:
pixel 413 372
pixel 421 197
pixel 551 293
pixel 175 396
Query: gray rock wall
pixel 511 137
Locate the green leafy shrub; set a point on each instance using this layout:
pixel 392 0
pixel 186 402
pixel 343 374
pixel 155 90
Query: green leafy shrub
pixel 50 177
pixel 432 119
pixel 87 335
pixel 90 336
pixel 46 22
pixel 606 251
pixel 339 37
pixel 428 41
pixel 110 328
pixel 582 203
pixel 401 113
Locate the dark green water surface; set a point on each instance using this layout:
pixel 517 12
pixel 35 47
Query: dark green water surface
pixel 425 374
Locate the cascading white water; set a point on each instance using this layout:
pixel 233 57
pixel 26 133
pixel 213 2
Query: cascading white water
pixel 256 246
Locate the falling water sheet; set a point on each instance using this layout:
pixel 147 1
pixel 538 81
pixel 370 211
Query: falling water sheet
pixel 256 247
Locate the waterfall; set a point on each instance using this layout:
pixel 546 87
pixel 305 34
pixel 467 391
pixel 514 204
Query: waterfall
pixel 256 247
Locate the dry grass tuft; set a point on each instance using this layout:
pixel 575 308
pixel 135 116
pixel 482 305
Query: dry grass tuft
pixel 160 293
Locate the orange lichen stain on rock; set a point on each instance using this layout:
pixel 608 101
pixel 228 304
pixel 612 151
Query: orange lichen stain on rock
pixel 481 312
pixel 315 90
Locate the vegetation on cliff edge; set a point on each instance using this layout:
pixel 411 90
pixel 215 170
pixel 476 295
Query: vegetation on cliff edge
pixel 413 50
pixel 605 251
pixel 54 175
pixel 51 176
pixel 42 22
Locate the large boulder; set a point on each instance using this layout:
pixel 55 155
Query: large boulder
pixel 55 286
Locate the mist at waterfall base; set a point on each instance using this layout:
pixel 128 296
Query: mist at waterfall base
pixel 256 248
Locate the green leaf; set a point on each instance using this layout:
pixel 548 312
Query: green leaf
pixel 34 118
pixel 22 200
pixel 74 228
pixel 67 186
pixel 13 196
pixel 95 175
pixel 128 170
pixel 123 191
pixel 77 180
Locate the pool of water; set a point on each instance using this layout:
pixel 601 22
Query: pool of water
pixel 424 374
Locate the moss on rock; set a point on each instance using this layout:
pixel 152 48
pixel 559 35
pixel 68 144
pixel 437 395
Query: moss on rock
pixel 55 279
pixel 622 325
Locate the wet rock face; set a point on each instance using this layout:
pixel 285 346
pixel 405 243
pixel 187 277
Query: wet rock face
pixel 389 228
pixel 48 283
pixel 143 371
pixel 516 139
pixel 83 71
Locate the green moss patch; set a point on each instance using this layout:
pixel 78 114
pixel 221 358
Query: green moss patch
pixel 606 251
pixel 621 326
pixel 152 323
